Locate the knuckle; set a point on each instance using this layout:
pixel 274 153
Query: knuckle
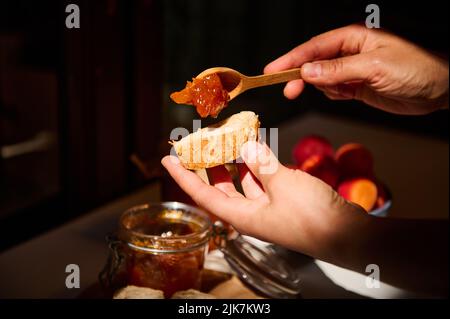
pixel 331 71
pixel 356 27
pixel 376 62
pixel 315 50
pixel 377 67
pixel 337 66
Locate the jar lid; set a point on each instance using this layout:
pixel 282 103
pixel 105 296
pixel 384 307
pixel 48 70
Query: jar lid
pixel 261 267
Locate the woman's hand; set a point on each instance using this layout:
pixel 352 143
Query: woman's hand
pixel 370 65
pixel 281 205
pixel 300 212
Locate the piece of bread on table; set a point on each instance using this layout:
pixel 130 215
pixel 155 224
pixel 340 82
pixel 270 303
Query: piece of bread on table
pixel 192 294
pixel 219 143
pixel 134 292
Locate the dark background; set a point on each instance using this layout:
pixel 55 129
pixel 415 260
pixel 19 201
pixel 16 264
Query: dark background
pixel 86 99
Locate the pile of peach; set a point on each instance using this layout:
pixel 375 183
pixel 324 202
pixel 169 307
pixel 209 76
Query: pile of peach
pixel 349 170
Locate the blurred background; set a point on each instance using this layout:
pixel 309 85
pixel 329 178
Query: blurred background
pixel 75 104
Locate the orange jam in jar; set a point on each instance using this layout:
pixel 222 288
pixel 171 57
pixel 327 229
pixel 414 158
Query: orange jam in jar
pixel 207 94
pixel 160 246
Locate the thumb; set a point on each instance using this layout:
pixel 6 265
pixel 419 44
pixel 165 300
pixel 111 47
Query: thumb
pixel 336 71
pixel 261 161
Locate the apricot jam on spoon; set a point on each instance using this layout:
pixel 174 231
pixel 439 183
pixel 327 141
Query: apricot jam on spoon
pixel 206 94
pixel 212 89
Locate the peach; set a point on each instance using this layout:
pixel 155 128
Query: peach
pixel 311 145
pixel 361 191
pixel 323 167
pixel 354 160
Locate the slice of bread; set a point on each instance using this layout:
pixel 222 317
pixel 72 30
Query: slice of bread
pixel 134 292
pixel 192 294
pixel 219 143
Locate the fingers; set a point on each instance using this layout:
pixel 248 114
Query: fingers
pixel 261 162
pixel 346 41
pixel 340 91
pixel 338 71
pixel 190 182
pixel 343 41
pixel 230 209
pixel 293 89
pixel 251 186
pixel 221 178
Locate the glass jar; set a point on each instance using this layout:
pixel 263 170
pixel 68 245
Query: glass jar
pixel 163 246
pixel 160 246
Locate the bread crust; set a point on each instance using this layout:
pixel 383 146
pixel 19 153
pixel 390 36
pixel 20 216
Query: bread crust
pixel 219 143
pixel 134 292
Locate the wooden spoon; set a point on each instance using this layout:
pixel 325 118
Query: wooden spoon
pixel 236 83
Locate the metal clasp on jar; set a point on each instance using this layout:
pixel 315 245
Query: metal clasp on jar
pixel 114 261
pixel 219 234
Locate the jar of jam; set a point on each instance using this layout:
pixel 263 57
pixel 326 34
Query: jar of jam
pixel 160 246
pixel 163 246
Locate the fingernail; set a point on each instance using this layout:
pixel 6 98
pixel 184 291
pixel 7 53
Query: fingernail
pixel 250 151
pixel 173 159
pixel 312 70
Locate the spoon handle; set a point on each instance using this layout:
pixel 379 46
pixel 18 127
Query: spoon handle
pixel 274 78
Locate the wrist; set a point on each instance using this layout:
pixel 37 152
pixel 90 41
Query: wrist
pixel 348 241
